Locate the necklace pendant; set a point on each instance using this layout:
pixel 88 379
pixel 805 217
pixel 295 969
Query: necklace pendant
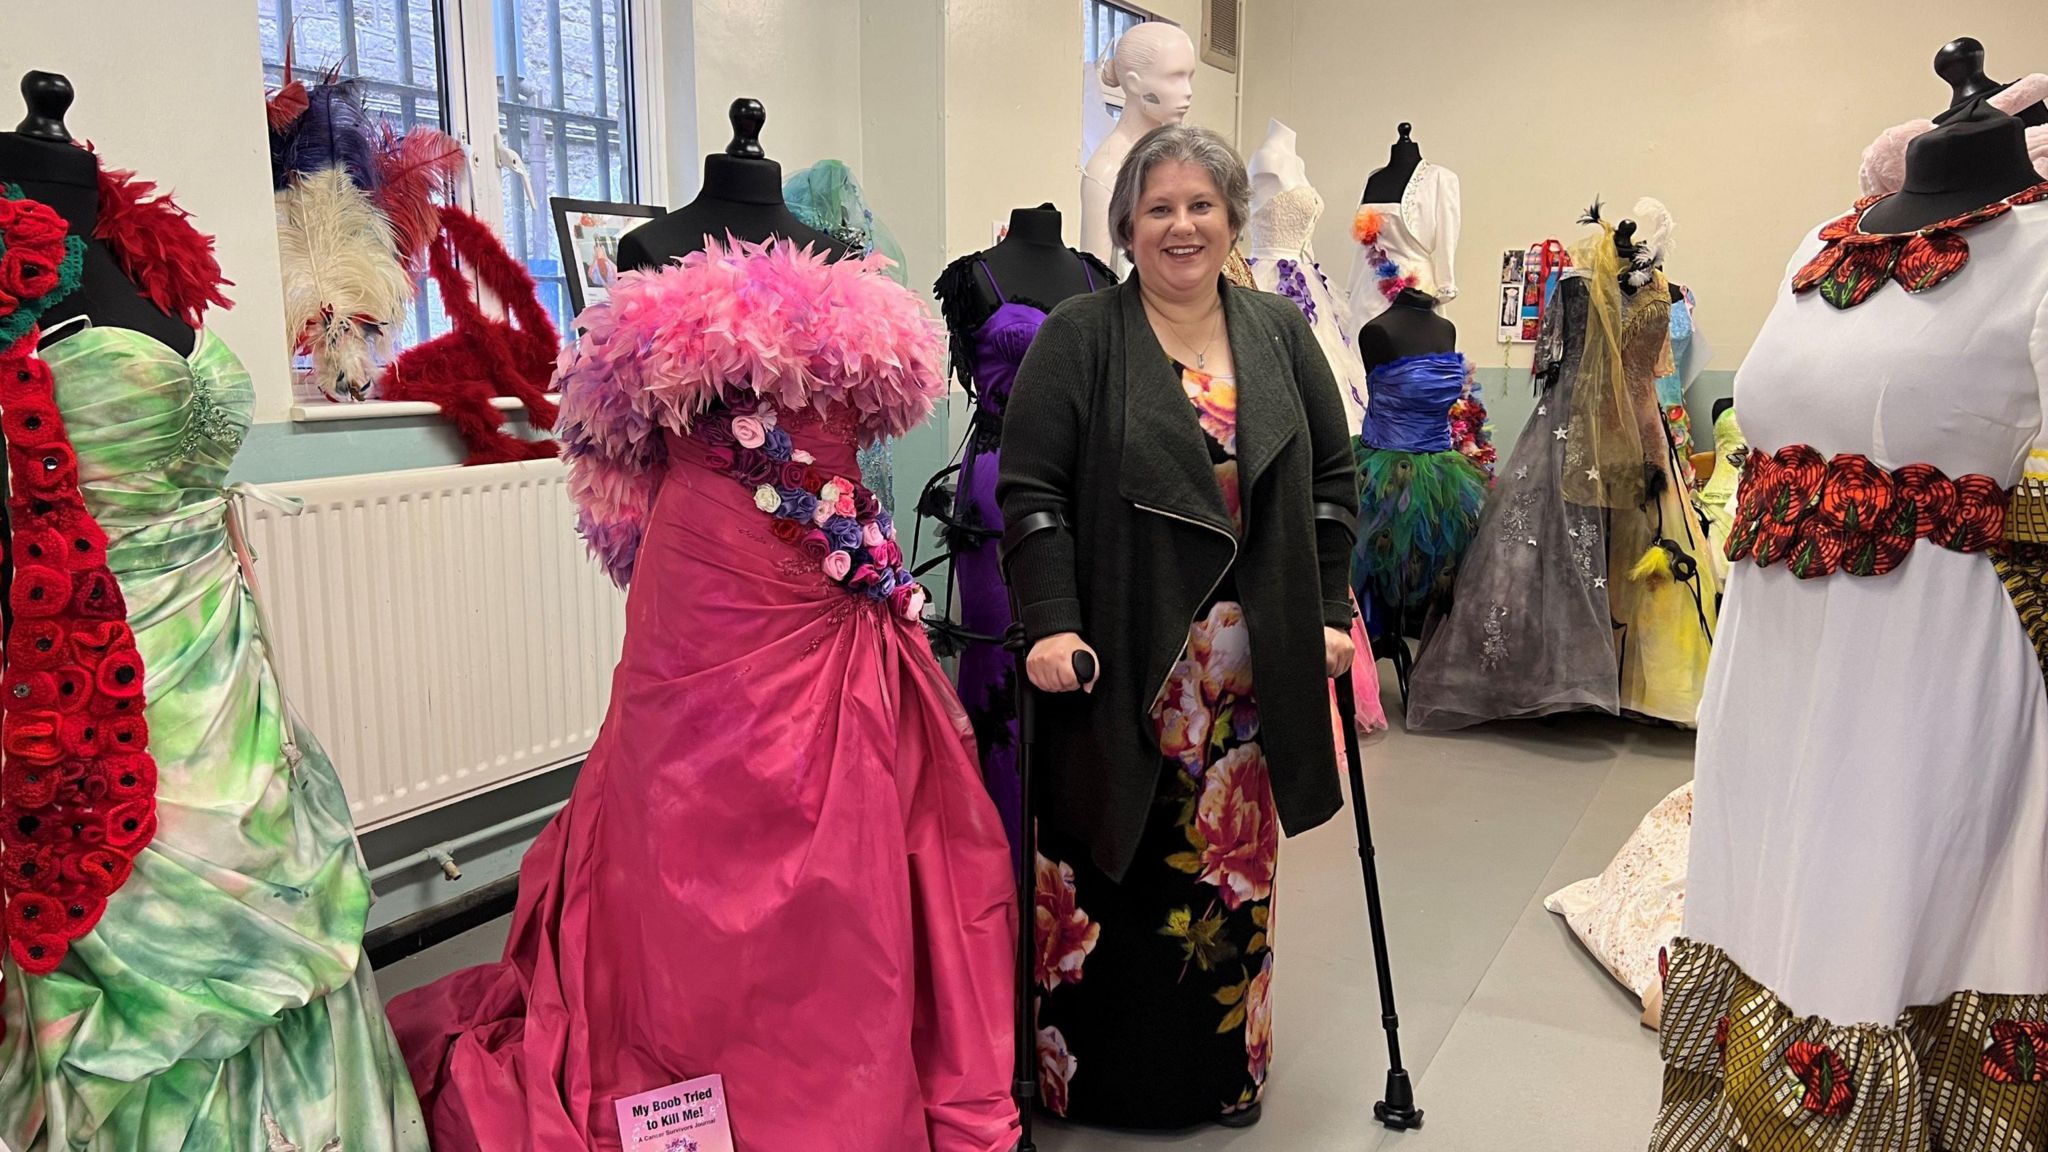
pixel 1201 361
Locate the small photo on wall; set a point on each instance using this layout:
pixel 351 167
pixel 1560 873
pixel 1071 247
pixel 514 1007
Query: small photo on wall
pixel 589 232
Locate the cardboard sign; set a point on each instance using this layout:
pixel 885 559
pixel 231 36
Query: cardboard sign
pixel 685 1117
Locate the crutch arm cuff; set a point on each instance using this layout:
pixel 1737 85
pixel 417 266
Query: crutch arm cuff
pixel 1342 517
pixel 1025 527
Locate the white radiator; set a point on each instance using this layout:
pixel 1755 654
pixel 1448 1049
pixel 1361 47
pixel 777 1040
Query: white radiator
pixel 441 631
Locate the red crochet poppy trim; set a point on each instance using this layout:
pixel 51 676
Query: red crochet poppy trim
pixel 1852 264
pixel 77 784
pixel 1820 516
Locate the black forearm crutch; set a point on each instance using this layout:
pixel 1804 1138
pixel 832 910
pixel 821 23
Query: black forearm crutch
pixel 1024 1081
pixel 1025 1085
pixel 1398 1110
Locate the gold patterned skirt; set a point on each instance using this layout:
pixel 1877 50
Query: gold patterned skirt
pixel 1742 1072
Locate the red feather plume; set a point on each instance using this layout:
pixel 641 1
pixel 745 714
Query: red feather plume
pixel 154 242
pixel 414 171
pixel 482 356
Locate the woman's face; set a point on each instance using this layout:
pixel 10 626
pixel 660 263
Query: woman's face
pixel 1181 235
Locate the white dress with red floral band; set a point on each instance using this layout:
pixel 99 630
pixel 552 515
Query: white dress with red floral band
pixel 1866 961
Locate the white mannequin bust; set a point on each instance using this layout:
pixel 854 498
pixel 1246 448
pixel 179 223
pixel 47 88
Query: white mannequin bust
pixel 1154 65
pixel 1276 167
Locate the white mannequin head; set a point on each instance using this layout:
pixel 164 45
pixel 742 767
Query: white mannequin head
pixel 1154 65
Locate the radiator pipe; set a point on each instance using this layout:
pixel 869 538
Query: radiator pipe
pixel 442 855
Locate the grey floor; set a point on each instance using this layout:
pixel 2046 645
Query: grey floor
pixel 1515 1036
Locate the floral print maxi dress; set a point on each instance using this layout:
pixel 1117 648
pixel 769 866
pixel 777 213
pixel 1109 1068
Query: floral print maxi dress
pixel 1154 994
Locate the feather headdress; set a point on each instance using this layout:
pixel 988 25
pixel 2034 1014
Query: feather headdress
pixel 356 212
pixel 344 289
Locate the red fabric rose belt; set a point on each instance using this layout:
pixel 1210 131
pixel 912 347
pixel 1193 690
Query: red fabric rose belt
pixel 1818 516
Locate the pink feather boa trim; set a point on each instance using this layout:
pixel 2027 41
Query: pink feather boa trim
pixel 1884 162
pixel 737 319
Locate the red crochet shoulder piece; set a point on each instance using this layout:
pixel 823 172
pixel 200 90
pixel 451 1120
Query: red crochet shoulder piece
pixel 154 242
pixel 77 784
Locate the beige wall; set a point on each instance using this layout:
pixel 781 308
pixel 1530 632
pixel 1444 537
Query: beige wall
pixel 858 81
pixel 1013 109
pixel 1746 118
pixel 800 59
pixel 188 115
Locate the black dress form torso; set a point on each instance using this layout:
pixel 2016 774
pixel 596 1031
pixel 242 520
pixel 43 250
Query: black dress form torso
pixel 1031 264
pixel 742 195
pixel 1389 184
pixel 49 168
pixel 1409 327
pixel 1973 160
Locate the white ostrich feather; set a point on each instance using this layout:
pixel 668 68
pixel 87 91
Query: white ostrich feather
pixel 1655 229
pixel 345 291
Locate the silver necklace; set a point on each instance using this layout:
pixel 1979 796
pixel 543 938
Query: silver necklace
pixel 1201 355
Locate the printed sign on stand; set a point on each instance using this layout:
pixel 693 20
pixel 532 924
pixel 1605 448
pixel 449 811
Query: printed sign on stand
pixel 685 1117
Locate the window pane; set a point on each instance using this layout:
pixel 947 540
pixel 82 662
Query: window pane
pixel 391 48
pixel 563 106
pixel 1104 22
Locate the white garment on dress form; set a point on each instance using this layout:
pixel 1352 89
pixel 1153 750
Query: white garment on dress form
pixel 1420 235
pixel 1870 825
pixel 1285 209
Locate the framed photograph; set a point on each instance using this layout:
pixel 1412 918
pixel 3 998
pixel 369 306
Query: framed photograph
pixel 589 232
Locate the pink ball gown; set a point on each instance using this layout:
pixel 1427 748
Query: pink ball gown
pixel 779 863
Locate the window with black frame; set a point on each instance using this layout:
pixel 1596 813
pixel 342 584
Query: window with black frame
pixel 561 121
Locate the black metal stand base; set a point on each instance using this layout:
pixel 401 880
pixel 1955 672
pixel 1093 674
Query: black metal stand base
pixel 1398 1110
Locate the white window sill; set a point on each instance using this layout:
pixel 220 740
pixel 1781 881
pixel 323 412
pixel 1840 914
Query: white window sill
pixel 320 413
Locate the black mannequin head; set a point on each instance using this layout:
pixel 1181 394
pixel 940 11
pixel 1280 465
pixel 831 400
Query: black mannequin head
pixel 1960 63
pixel 748 116
pixel 1405 149
pixel 48 96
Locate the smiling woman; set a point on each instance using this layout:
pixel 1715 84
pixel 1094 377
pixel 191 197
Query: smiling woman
pixel 1177 484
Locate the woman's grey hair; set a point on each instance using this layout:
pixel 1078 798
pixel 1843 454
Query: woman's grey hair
pixel 1185 144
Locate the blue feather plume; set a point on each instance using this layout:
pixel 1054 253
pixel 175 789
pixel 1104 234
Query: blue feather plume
pixel 335 131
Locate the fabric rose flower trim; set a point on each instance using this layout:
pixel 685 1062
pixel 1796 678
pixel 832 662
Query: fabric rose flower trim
pixel 78 788
pixel 1819 516
pixel 1852 264
pixel 1822 1072
pixel 834 521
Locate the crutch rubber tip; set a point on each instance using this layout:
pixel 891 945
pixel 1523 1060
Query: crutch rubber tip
pixel 1398 1111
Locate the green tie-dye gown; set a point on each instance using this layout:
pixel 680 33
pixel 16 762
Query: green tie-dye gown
pixel 224 1001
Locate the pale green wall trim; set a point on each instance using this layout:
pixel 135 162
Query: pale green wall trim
pixel 283 451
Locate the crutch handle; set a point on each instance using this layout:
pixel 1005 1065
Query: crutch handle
pixel 1084 667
